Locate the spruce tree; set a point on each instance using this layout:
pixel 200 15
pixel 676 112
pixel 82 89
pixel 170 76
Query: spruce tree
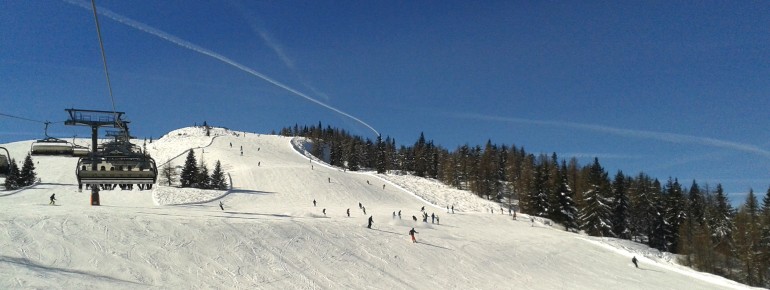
pixel 190 170
pixel 203 180
pixel 620 205
pixel 12 179
pixel 765 239
pixel 596 214
pixel 218 177
pixel 675 214
pixel 567 211
pixel 722 226
pixel 27 176
pixel 381 155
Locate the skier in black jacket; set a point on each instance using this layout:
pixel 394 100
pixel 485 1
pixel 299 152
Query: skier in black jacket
pixel 411 233
pixel 370 222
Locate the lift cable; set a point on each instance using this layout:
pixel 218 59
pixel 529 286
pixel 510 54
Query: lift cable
pixel 25 119
pixel 104 60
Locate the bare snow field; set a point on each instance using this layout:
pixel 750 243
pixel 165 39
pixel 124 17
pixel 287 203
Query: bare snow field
pixel 270 236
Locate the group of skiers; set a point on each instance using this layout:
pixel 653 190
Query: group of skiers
pixel 370 220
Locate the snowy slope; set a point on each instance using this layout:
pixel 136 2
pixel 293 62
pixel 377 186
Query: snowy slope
pixel 271 237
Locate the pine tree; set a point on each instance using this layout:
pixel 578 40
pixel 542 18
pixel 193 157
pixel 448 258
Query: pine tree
pixel 747 239
pixel 381 168
pixel 27 176
pixel 675 214
pixel 190 170
pixel 620 205
pixel 218 177
pixel 567 211
pixel 721 224
pixel 12 179
pixel 765 240
pixel 538 197
pixel 203 180
pixel 596 214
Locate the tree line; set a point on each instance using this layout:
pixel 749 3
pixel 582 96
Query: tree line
pixel 696 222
pixel 16 178
pixel 195 174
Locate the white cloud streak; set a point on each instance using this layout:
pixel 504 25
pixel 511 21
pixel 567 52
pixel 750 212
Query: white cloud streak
pixel 660 136
pixel 190 46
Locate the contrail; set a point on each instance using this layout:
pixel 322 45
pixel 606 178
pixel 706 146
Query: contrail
pixel 188 45
pixel 667 137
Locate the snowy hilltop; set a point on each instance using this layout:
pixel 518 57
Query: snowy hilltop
pixel 269 234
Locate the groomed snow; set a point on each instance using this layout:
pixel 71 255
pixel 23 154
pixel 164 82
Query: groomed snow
pixel 270 236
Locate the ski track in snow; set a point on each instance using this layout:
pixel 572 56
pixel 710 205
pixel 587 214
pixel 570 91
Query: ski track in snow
pixel 270 236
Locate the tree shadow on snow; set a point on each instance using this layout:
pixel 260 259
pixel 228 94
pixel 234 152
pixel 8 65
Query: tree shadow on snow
pixel 645 269
pixel 249 191
pixel 259 214
pixel 432 245
pixel 29 264
pixel 384 231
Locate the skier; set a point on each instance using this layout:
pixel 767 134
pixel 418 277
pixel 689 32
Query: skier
pixel 423 208
pixel 259 163
pixel 399 214
pixel 324 211
pixel 394 215
pixel 447 209
pixel 414 218
pixel 360 206
pixel 348 212
pixel 221 206
pixel 432 218
pixel 367 182
pixel 330 180
pixel 314 202
pixel 437 221
pixel 453 209
pixel 370 222
pixel 364 209
pixel 231 144
pixel 53 199
pixel 532 220
pixel 635 261
pixel 411 233
pixel 383 187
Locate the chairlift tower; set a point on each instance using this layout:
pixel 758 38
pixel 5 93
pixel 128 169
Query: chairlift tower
pixel 96 119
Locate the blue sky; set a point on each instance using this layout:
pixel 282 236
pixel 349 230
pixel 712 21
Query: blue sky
pixel 672 89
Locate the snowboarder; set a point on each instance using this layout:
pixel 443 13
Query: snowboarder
pixel 53 199
pixel 370 222
pixel 221 206
pixel 324 211
pixel 635 261
pixel 348 212
pixel 314 202
pixel 411 233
